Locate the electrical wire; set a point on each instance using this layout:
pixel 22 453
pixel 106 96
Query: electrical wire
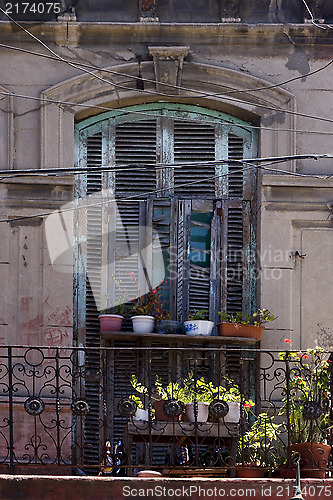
pixel 139 196
pixel 125 111
pixel 116 168
pixel 312 16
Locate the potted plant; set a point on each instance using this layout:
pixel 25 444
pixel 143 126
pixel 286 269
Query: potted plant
pixel 306 407
pixel 196 397
pixel 198 323
pixel 111 318
pixel 244 325
pixel 231 395
pixel 165 400
pixel 257 449
pixel 141 413
pixel 163 318
pixel 204 397
pixel 142 308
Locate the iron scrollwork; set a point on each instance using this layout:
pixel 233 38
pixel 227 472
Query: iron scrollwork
pixel 80 407
pixel 218 408
pixel 127 407
pixel 34 406
pixel 173 408
pixel 312 410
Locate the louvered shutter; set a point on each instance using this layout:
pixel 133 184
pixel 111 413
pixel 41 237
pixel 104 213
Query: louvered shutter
pixel 136 145
pixel 235 177
pixel 94 255
pixel 194 142
pixel 198 273
pixel 223 282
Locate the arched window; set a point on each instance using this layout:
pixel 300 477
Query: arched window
pixel 201 210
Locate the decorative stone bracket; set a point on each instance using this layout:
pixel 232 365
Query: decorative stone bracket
pixel 168 67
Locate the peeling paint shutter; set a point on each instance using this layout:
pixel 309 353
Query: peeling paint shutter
pixel 143 143
pixel 136 144
pixel 194 142
pixel 235 178
pixel 93 257
pixel 235 265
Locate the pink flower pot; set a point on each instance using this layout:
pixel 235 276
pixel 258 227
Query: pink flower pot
pixel 111 322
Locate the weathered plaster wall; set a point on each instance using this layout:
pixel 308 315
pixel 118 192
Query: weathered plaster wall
pixel 296 240
pixel 223 58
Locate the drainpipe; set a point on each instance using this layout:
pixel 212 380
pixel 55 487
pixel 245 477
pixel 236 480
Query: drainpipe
pixel 297 491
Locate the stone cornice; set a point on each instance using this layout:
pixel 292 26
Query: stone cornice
pixel 264 37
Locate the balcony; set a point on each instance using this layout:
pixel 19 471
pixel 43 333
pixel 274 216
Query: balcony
pixel 75 409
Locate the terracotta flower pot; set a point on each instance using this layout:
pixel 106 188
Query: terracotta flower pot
pixel 239 330
pixel 314 458
pixel 110 322
pixel 160 413
pixel 250 471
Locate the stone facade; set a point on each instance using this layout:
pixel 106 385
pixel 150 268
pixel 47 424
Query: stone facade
pixel 262 73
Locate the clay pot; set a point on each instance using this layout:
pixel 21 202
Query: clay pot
pixel 314 458
pixel 160 413
pixel 110 322
pixel 250 471
pixel 239 330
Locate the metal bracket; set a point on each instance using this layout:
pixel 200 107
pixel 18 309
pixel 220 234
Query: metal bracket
pixel 295 253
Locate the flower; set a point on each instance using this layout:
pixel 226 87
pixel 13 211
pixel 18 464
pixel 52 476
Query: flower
pixel 150 304
pixel 288 341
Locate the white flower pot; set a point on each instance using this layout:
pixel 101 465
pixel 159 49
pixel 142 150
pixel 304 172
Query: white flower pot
pixel 141 414
pixel 198 327
pixel 233 414
pixel 203 412
pixel 143 324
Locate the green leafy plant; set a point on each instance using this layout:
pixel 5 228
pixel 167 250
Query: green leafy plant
pixel 199 314
pixel 258 446
pixel 190 389
pixel 258 318
pixel 137 400
pixel 158 391
pixel 306 395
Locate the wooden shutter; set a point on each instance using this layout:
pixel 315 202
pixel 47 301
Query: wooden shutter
pixel 93 257
pixel 235 171
pixel 194 142
pixel 136 144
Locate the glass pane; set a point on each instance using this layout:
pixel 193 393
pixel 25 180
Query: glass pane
pixel 200 239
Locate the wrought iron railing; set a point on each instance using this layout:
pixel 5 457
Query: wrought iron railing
pixel 258 405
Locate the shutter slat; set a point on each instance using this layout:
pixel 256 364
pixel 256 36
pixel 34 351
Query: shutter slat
pixel 94 264
pixel 136 144
pixel 235 260
pixel 194 143
pixel 235 177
